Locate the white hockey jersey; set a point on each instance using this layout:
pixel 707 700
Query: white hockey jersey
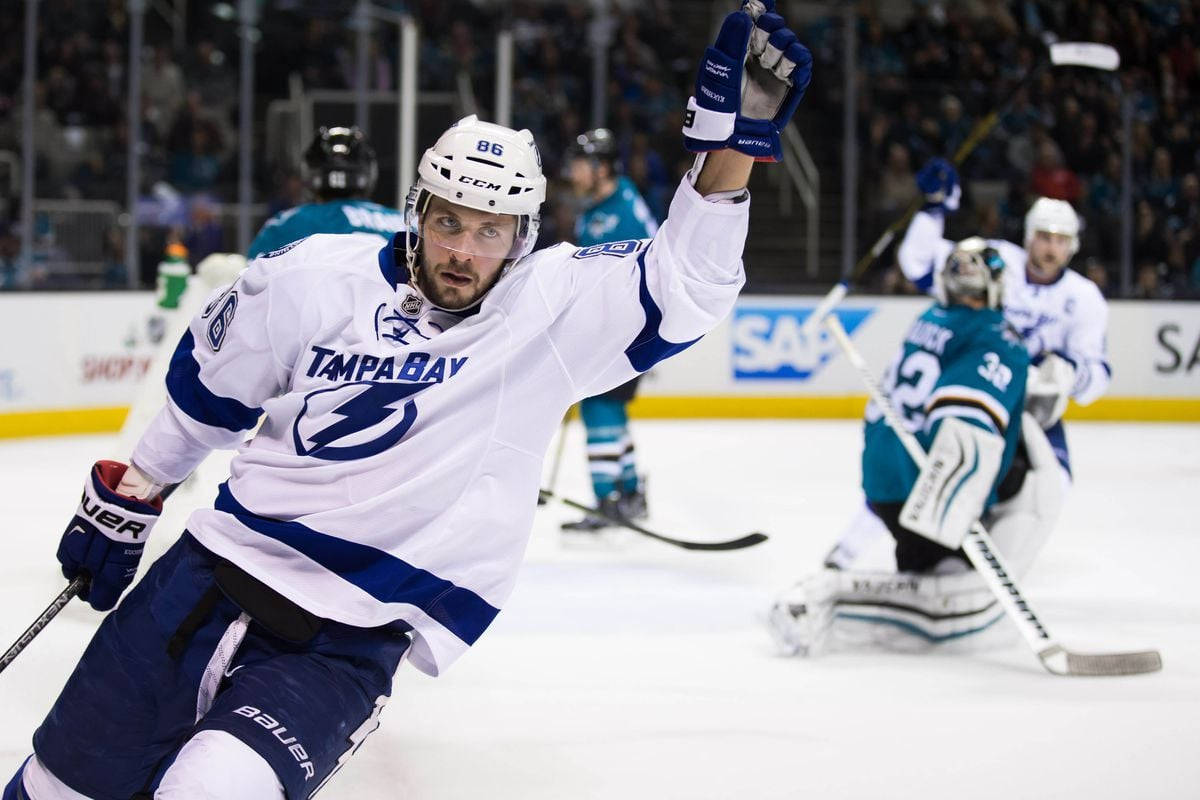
pixel 1069 316
pixel 396 474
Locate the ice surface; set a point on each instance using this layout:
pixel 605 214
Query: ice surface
pixel 645 671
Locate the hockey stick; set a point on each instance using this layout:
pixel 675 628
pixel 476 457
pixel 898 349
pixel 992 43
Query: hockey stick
pixel 59 603
pixel 558 454
pixel 986 559
pixel 1061 54
pixel 749 540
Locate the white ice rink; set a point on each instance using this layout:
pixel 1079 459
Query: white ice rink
pixel 646 672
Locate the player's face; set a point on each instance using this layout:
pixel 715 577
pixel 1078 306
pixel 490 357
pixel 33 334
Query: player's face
pixel 1048 255
pixel 583 176
pixel 463 252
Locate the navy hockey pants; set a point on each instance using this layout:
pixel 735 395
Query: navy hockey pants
pixel 131 703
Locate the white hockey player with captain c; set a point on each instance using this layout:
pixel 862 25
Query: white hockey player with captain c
pixel 1055 309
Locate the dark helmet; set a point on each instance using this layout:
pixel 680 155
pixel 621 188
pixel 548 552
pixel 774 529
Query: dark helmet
pixel 598 143
pixel 340 162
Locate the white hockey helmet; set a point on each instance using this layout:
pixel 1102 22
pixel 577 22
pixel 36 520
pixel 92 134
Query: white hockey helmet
pixel 973 269
pixel 487 167
pixel 1052 216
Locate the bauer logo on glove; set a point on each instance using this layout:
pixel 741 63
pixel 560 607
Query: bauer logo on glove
pixel 748 86
pixel 105 538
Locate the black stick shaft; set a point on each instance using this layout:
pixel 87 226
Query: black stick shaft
pixel 749 540
pixel 59 603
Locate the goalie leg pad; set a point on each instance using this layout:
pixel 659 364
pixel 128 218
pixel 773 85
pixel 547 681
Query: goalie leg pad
pixel 933 608
pixel 860 535
pixel 950 492
pixel 1021 524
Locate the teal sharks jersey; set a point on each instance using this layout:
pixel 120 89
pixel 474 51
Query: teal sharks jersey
pixel 621 216
pixel 955 362
pixel 338 216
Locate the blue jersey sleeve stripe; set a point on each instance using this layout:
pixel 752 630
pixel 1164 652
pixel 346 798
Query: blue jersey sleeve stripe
pixel 649 347
pixel 197 400
pixel 383 576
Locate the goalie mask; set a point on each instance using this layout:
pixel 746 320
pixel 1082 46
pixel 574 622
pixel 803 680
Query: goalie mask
pixel 973 270
pixel 487 168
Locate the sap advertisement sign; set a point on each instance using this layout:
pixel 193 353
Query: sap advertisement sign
pixel 769 343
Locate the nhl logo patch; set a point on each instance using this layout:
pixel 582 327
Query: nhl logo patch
pixel 411 305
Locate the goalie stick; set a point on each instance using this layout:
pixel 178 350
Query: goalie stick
pixel 59 603
pixel 749 540
pixel 986 559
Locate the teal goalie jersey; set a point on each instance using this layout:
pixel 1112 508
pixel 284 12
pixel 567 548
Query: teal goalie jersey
pixel 955 362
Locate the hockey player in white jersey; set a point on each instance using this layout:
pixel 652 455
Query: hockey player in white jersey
pixel 1061 315
pixel 382 510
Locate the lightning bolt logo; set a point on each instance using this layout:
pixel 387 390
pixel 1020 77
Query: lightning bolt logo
pixel 367 408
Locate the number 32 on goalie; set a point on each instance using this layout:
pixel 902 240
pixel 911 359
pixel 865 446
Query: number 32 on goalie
pixel 995 372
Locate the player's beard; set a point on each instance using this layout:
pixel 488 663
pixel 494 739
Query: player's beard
pixel 444 294
pixel 1046 268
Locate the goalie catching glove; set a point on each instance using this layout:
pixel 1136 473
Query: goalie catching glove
pixel 749 84
pixel 105 538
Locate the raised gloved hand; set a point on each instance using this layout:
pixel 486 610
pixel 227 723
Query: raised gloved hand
pixel 747 116
pixel 107 535
pixel 938 182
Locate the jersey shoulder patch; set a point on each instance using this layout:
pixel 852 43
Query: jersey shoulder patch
pixel 619 249
pixel 281 250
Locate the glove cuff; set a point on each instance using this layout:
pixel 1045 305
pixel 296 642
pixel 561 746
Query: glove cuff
pixel 705 129
pixel 119 518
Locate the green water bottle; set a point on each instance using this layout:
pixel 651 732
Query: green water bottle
pixel 173 272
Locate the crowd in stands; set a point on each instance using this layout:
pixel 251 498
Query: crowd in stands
pixel 927 73
pixel 189 102
pixel 929 76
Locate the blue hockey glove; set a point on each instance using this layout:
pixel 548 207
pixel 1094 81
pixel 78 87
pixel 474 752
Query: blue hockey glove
pixel 106 536
pixel 938 182
pixel 748 115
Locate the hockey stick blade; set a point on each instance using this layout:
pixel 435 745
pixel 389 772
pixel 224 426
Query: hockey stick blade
pixel 59 603
pixel 1084 54
pixel 1061 661
pixel 749 540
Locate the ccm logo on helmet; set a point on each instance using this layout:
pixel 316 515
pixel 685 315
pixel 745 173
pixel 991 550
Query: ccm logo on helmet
pixel 480 183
